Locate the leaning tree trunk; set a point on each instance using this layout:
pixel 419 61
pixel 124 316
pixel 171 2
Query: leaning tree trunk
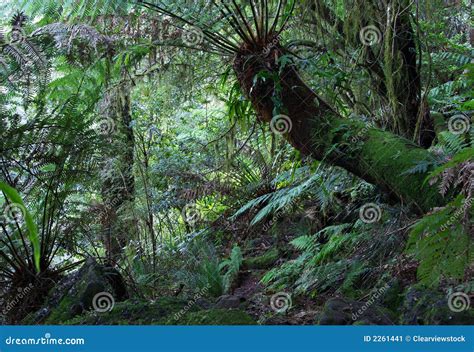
pixel 377 156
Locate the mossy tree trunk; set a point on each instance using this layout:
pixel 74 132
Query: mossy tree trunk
pixel 377 156
pixel 118 182
pixel 391 61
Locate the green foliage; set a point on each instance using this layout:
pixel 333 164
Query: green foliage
pixel 460 157
pixel 303 182
pixel 452 143
pixel 78 10
pixel 231 267
pixel 15 198
pixel 317 267
pixel 441 244
pixel 457 59
pixel 185 135
pixel 201 269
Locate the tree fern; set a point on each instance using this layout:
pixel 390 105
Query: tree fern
pixel 452 143
pixel 280 199
pixel 76 10
pixel 439 241
pixel 304 243
pixel 308 270
pixel 231 267
pixel 459 60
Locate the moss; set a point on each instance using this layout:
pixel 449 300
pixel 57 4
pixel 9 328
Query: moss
pixel 165 311
pixel 263 261
pixel 66 307
pixel 393 297
pixel 430 307
pixel 340 311
pixel 390 157
pixel 378 156
pixel 64 303
pixel 62 312
pixel 217 317
pixel 134 312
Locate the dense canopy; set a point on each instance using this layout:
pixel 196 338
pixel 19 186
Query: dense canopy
pixel 236 162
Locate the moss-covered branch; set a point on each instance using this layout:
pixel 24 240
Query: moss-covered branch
pixel 377 156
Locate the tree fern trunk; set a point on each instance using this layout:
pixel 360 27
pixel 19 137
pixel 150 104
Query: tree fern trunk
pixel 375 155
pixel 118 182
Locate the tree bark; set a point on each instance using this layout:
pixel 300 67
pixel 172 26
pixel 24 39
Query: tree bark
pixel 378 156
pixel 392 64
pixel 118 182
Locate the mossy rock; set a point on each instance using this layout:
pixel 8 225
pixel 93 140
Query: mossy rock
pixel 393 297
pixel 77 292
pixel 165 311
pixel 263 261
pixel 430 307
pixel 137 312
pixel 342 311
pixel 216 317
